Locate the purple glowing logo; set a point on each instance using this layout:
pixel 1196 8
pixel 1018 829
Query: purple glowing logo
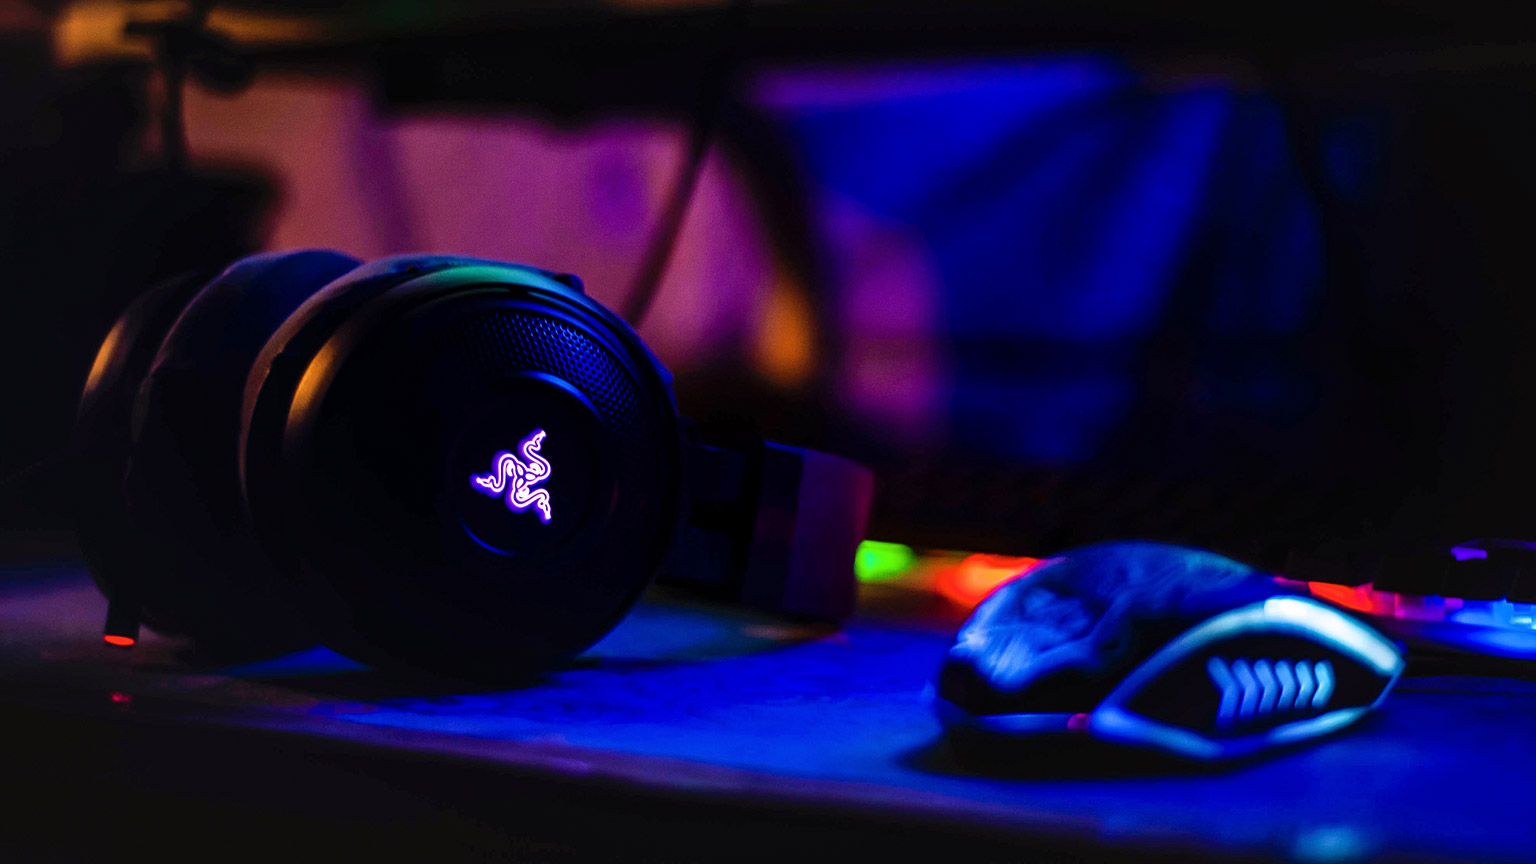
pixel 517 477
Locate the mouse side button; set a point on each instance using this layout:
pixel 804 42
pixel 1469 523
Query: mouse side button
pixel 1261 676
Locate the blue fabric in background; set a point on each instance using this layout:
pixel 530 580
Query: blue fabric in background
pixel 1086 229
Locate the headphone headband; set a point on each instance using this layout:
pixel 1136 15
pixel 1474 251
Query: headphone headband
pixel 774 528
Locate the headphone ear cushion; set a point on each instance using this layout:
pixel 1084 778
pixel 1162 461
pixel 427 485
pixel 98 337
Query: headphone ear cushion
pixel 201 572
pixel 103 430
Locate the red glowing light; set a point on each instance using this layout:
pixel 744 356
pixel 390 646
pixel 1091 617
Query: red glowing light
pixel 1359 598
pixel 121 698
pixel 120 641
pixel 977 576
pixel 1388 604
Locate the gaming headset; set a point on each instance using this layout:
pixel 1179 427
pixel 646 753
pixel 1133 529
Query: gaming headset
pixel 459 466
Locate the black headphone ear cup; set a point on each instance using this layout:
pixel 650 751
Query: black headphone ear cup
pixel 103 432
pixel 199 571
pixel 386 454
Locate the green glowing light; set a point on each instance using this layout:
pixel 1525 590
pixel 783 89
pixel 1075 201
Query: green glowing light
pixel 880 562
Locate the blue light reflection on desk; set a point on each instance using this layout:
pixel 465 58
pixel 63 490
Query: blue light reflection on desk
pixel 797 710
pixel 653 687
pixel 693 687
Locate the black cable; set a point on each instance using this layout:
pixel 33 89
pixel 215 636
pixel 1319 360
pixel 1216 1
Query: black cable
pixel 176 42
pixel 176 47
pixel 653 266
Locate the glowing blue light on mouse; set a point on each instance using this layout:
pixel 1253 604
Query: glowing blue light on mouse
pixel 516 477
pixel 1260 688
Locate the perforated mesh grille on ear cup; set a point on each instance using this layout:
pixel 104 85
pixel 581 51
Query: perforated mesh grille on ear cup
pixel 500 342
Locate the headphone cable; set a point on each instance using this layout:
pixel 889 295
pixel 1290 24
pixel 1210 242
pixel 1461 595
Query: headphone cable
pixel 658 255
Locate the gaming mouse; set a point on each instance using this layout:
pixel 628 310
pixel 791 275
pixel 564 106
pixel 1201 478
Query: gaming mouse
pixel 1179 650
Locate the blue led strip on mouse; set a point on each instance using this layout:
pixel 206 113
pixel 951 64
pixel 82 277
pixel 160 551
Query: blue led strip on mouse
pixel 1246 692
pixel 1258 689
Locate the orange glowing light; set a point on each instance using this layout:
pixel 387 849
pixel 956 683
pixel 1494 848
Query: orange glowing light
pixel 978 575
pixel 105 356
pixel 120 641
pixel 314 381
pixel 785 348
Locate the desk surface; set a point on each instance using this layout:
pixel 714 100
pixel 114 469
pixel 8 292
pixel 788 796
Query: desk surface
pixel 707 709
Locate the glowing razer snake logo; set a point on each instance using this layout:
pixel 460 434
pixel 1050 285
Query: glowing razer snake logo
pixel 517 477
